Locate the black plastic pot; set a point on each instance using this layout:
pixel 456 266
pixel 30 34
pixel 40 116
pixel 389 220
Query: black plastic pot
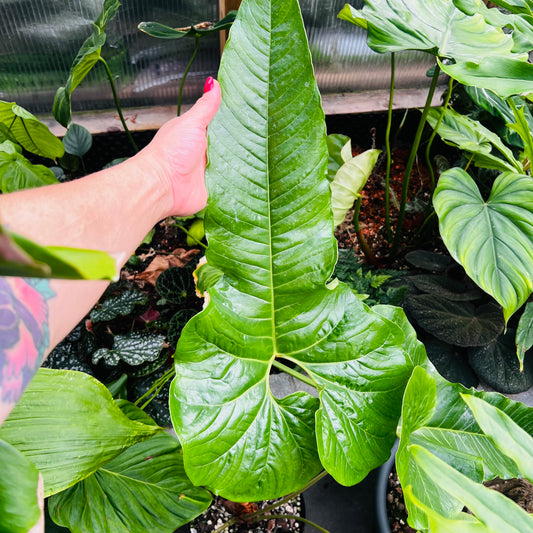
pixel 382 520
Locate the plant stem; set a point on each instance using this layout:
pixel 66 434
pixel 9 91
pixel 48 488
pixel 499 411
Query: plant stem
pixel 117 104
pixel 153 391
pixel 189 234
pixel 410 162
pixel 294 373
pixel 367 251
pixel 387 148
pixel 300 519
pixel 528 141
pixel 430 142
pixel 261 513
pixel 180 94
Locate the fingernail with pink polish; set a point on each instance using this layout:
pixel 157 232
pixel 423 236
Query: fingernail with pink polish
pixel 209 84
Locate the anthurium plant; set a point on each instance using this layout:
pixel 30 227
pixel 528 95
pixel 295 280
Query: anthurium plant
pixel 273 304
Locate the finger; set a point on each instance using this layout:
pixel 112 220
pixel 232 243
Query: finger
pixel 207 106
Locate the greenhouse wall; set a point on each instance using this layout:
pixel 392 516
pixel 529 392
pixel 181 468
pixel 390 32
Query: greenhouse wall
pixel 40 38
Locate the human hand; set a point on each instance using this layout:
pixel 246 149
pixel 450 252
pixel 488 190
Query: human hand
pixel 177 154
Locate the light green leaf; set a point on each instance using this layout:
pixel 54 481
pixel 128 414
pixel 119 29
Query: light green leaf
pixel 78 140
pixel 17 173
pixel 516 6
pixel 154 29
pixel 502 75
pixel 349 182
pixel 492 239
pixel 470 135
pixel 29 131
pixel 509 437
pixel 19 508
pixel 493 509
pixel 524 334
pixel 434 26
pixel 24 257
pixel 109 10
pixel 51 428
pixel 273 240
pixel 145 488
pixel 339 151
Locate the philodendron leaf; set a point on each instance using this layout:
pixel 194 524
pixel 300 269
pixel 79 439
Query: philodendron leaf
pixel 145 488
pixel 493 509
pixel 77 140
pixel 470 135
pixel 29 131
pixel 502 75
pixel 17 173
pixel 19 508
pixel 509 437
pixel 524 333
pixel 434 26
pixel 154 29
pixel 68 425
pixel 439 420
pixel 349 182
pixel 339 151
pixel 492 239
pixel 272 238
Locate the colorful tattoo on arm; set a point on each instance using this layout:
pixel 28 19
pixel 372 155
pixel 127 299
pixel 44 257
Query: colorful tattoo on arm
pixel 24 333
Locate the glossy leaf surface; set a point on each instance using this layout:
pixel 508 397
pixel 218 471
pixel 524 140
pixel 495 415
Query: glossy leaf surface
pixel 144 489
pixel 134 348
pixel 272 238
pixel 492 239
pixel 29 131
pixel 78 140
pixel 51 428
pixel 120 305
pixel 470 135
pixel 434 26
pixel 19 509
pixel 506 77
pixel 524 333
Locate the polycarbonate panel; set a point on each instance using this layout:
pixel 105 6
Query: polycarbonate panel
pixel 40 38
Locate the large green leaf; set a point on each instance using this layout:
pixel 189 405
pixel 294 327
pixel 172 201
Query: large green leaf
pixel 68 425
pixel 434 26
pixel 145 488
pixel 493 509
pixel 509 437
pixel 524 333
pixel 29 131
pixel 492 239
pixel 502 75
pixel 17 173
pixel 272 238
pixel 19 509
pixel 470 135
pixel 438 419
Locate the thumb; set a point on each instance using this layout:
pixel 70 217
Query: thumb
pixel 207 106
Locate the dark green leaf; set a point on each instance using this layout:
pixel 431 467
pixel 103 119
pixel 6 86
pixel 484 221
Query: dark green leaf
pixel 174 284
pixel 444 287
pixel 134 348
pixel 428 260
pixel 497 365
pixel 121 305
pixel 143 489
pixel 491 239
pixel 51 427
pixel 458 323
pixel 29 131
pixel 19 509
pixel 516 6
pixel 177 323
pixel 78 140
